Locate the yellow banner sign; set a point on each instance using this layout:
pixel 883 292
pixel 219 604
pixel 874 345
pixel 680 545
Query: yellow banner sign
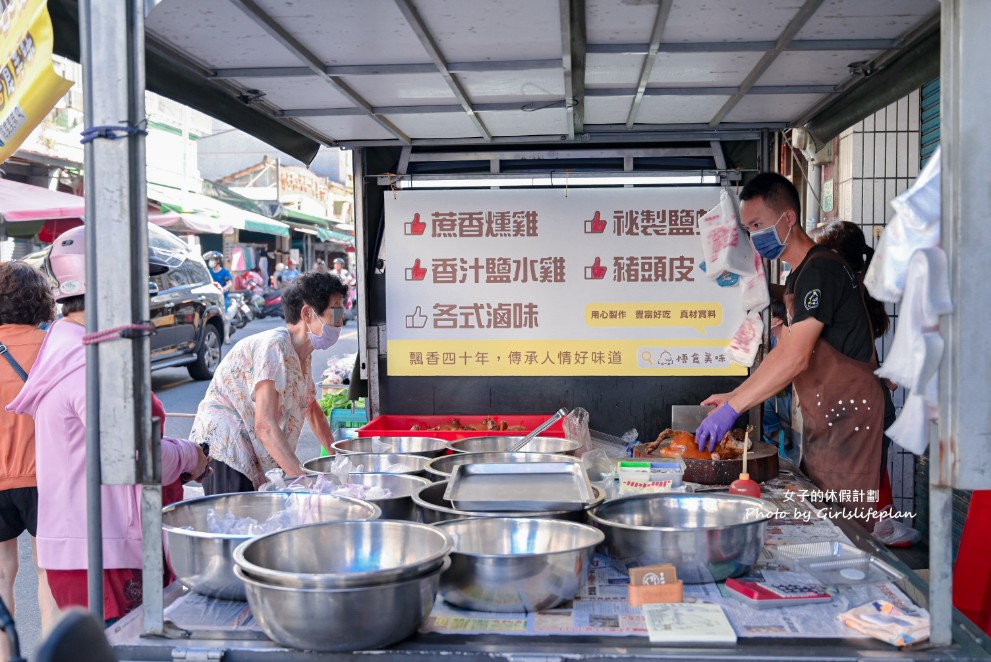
pixel 549 358
pixel 29 87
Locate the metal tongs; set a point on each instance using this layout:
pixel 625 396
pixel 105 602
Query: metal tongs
pixel 561 413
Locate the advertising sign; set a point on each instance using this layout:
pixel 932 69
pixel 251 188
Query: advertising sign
pixel 604 282
pixel 29 87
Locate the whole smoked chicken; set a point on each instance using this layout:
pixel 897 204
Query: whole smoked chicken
pixel 682 444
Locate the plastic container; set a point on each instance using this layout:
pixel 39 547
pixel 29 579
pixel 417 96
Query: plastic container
pixel 395 425
pixel 648 476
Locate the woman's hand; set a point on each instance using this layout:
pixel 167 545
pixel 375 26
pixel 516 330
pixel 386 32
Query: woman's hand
pixel 202 469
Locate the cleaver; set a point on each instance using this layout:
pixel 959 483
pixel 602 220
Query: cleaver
pixel 688 417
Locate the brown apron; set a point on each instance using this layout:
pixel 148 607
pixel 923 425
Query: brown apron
pixel 842 416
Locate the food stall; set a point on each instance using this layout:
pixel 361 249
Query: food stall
pixel 467 307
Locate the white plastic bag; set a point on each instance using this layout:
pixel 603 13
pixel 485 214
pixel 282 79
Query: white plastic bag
pixel 756 296
pixel 895 532
pixel 724 243
pixel 916 225
pixel 746 341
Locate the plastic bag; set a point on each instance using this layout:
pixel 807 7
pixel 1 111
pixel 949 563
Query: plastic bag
pixel 342 467
pixel 630 437
pixel 725 245
pixel 575 426
pixel 276 481
pixel 598 466
pixel 916 225
pixel 891 531
pixel 745 342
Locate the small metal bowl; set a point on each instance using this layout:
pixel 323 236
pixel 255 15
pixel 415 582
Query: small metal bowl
pixel 344 554
pixel 337 620
pixel 433 507
pixel 708 537
pixel 441 468
pixel 425 446
pixel 372 463
pixel 516 564
pixel 497 444
pixel 204 561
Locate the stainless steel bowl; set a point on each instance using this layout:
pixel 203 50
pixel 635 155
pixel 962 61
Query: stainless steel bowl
pixel 401 486
pixel 372 463
pixel 441 468
pixel 425 446
pixel 498 444
pixel 344 554
pixel 204 561
pixel 329 620
pixel 708 537
pixel 516 564
pixel 433 507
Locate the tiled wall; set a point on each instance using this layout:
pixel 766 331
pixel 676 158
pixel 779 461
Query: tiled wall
pixel 878 159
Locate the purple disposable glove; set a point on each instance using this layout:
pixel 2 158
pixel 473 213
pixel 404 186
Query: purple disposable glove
pixel 715 426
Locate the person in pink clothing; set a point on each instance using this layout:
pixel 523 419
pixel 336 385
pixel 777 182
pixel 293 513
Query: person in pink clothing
pixel 55 396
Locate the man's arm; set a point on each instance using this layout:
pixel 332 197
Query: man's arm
pixel 318 423
pixel 268 430
pixel 790 357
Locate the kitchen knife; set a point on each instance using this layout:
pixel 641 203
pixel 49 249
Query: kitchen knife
pixel 688 417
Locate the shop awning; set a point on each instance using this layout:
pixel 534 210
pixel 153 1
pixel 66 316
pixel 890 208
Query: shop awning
pixel 24 202
pixel 298 218
pixel 203 211
pixel 332 236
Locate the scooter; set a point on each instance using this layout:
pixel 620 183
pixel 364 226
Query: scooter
pixel 271 304
pixel 242 311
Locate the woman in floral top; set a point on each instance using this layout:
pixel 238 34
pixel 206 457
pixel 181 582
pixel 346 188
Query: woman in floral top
pixel 254 409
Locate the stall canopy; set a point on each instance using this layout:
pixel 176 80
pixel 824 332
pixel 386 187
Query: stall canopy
pixel 197 210
pixel 24 208
pixel 324 228
pixel 407 72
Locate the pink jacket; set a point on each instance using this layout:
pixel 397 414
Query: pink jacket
pixel 55 396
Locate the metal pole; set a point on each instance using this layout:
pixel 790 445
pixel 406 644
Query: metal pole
pixel 118 427
pixel 94 504
pixel 959 454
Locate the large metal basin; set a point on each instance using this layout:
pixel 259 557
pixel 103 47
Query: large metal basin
pixel 329 620
pixel 441 468
pixel 204 561
pixel 510 564
pixel 372 463
pixel 506 444
pixel 708 537
pixel 402 487
pixel 433 507
pixel 425 446
pixel 344 554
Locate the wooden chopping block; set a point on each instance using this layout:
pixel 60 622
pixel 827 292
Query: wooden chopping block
pixel 762 465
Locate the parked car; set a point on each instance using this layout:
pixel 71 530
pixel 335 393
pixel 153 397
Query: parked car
pixel 187 307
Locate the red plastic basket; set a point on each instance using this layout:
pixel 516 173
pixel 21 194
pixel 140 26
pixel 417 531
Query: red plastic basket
pixel 394 425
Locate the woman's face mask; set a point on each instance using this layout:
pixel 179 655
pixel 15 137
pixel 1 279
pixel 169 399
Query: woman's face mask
pixel 328 334
pixel 766 241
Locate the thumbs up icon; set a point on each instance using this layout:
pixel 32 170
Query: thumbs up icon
pixel 416 272
pixel 417 320
pixel 415 227
pixel 596 271
pixel 596 225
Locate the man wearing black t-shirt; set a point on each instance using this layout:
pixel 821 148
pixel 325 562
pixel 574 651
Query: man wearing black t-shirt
pixel 826 352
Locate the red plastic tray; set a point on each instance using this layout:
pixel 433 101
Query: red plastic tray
pixel 394 425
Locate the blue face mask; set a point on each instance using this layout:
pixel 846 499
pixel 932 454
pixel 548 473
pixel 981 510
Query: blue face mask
pixel 766 241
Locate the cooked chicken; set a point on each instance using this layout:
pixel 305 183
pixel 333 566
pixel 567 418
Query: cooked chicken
pixel 682 444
